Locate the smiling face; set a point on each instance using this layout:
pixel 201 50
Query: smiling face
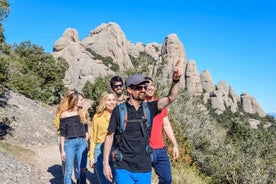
pixel 110 102
pixel 151 89
pixel 138 92
pixel 118 88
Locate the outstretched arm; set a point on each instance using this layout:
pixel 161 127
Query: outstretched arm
pixel 107 149
pixel 165 101
pixel 169 132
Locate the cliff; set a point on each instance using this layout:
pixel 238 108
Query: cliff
pixel 109 41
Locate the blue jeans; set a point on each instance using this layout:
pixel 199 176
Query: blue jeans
pixel 75 148
pixel 161 165
pixel 126 177
pixel 98 158
pixel 63 162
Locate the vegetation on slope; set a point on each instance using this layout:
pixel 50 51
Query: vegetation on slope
pixel 214 148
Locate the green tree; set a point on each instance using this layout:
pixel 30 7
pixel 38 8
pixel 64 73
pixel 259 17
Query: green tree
pixel 3 71
pixel 4 12
pixel 36 74
pixel 95 90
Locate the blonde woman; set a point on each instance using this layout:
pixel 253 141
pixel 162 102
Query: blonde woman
pixel 98 132
pixel 73 135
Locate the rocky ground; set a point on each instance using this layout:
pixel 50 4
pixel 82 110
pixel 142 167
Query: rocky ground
pixel 30 154
pixel 37 164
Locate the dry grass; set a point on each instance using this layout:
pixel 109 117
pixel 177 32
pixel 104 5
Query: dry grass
pixel 17 151
pixel 184 175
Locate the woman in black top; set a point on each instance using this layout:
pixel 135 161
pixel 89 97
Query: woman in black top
pixel 73 135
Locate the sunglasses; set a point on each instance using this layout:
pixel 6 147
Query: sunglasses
pixel 117 86
pixel 139 87
pixel 74 93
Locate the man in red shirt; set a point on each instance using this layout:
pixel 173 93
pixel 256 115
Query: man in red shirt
pixel 160 159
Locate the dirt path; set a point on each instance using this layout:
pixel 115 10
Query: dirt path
pixel 48 161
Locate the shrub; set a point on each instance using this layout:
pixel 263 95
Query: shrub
pixel 36 74
pixel 94 91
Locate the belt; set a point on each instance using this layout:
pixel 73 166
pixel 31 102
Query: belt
pixel 75 137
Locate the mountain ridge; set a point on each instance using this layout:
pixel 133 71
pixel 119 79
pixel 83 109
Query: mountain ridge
pixel 87 60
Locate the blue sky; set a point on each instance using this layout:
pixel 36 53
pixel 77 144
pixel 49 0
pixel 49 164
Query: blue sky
pixel 234 40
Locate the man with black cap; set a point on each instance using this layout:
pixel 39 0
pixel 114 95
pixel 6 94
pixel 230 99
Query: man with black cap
pixel 134 164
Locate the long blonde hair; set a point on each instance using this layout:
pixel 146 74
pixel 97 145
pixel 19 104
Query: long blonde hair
pixel 68 103
pixel 103 100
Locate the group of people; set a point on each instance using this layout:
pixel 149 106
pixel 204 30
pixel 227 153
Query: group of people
pixel 125 137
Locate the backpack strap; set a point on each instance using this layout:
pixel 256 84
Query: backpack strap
pixel 147 114
pixel 123 116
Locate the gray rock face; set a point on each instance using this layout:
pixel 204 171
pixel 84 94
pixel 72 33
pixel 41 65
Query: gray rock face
pixel 21 110
pixel 225 99
pixel 108 40
pixel 69 36
pixel 250 105
pixel 173 50
pixel 82 65
pixel 207 81
pixel 193 83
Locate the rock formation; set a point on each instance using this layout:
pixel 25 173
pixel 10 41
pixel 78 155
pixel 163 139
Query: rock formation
pixel 250 105
pixel 109 41
pixel 193 83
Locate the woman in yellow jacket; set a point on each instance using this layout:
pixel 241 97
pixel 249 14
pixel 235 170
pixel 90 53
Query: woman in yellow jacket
pixel 98 131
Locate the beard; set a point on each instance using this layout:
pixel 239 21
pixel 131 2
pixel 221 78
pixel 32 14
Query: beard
pixel 141 96
pixel 119 92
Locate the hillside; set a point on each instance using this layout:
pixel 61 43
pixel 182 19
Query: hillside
pixel 29 152
pixel 31 131
pixel 221 134
pixel 223 137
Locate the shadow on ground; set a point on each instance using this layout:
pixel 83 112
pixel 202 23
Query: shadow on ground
pixel 56 171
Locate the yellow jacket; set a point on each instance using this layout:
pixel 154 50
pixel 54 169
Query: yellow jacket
pixel 98 131
pixel 57 122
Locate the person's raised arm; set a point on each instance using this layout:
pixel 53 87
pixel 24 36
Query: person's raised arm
pixel 165 101
pixel 107 149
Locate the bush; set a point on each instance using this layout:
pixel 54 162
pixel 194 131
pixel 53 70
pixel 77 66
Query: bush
pixel 107 61
pixel 95 90
pixel 36 74
pixel 224 147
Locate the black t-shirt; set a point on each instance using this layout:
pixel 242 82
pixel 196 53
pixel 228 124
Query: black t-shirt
pixel 133 142
pixel 71 127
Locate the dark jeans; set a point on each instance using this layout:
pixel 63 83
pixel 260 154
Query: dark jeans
pixel 161 165
pixel 98 157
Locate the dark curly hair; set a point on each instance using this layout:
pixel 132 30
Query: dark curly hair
pixel 115 79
